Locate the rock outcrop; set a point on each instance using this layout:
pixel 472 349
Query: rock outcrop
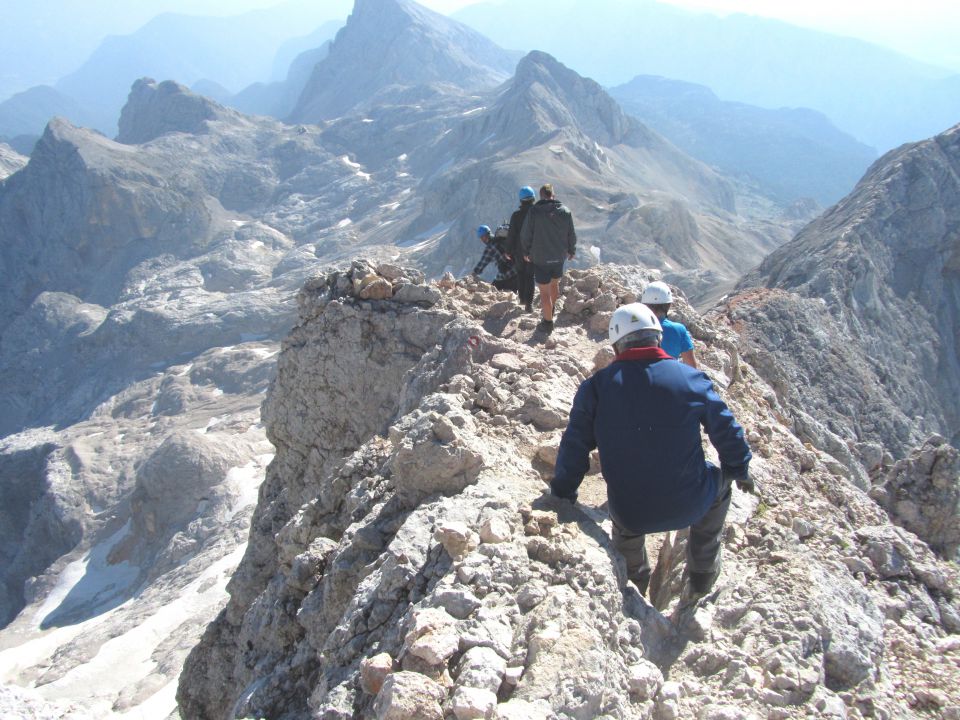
pixel 406 560
pixel 922 494
pixel 10 161
pixel 863 308
pixel 155 109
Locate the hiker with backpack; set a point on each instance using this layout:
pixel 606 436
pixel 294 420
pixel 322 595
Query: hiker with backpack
pixel 515 248
pixel 548 240
pixel 494 250
pixel 644 412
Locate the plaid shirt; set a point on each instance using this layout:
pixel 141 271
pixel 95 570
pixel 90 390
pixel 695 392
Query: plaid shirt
pixel 491 253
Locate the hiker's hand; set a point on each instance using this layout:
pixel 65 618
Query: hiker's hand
pixel 569 256
pixel 741 476
pixel 527 258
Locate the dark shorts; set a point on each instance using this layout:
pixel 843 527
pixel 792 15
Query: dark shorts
pixel 550 270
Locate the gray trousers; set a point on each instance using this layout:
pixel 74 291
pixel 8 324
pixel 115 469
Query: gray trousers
pixel 703 544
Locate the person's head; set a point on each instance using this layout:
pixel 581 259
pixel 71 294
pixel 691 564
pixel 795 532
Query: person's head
pixel 658 297
pixel 634 325
pixel 546 192
pixel 526 194
pixel 484 232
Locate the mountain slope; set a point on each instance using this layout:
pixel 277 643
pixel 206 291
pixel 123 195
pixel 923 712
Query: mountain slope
pixel 868 301
pixel 789 154
pixel 636 198
pixel 388 43
pixel 406 559
pixel 27 113
pixel 881 98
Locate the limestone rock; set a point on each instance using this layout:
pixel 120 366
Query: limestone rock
pixel 922 494
pixel 457 539
pixel 473 703
pixel 374 671
pixel 409 696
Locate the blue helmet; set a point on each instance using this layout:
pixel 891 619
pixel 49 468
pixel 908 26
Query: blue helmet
pixel 526 193
pixel 484 230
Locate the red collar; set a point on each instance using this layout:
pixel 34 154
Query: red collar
pixel 643 353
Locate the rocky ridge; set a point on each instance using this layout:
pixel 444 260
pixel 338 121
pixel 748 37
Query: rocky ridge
pixel 854 322
pixel 405 560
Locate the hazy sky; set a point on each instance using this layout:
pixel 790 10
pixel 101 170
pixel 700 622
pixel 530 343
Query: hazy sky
pixel 925 29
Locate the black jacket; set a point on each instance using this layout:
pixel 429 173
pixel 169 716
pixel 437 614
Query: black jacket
pixel 514 247
pixel 548 234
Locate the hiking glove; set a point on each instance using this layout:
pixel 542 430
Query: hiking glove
pixel 741 476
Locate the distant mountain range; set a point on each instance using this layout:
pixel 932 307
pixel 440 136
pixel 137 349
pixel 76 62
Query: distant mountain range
pixel 234 52
pixel 787 153
pixel 880 97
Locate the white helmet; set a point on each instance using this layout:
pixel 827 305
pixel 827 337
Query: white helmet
pixel 657 293
pixel 630 318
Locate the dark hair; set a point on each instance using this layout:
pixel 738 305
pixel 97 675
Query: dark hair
pixel 648 337
pixel 659 308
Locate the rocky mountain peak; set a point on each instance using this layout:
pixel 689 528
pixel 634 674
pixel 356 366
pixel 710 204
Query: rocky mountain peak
pixel 391 43
pixel 552 95
pixel 154 109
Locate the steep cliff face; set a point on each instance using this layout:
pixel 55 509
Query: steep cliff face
pixel 10 161
pixel 405 559
pixel 865 306
pixel 388 44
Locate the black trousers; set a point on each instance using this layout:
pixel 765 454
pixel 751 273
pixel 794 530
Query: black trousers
pixel 703 544
pixel 525 281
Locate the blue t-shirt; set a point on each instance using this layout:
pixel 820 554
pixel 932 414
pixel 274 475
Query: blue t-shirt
pixel 676 338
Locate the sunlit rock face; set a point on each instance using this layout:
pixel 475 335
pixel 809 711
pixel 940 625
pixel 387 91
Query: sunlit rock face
pixel 864 307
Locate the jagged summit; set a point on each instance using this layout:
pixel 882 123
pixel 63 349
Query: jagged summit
pixel 872 304
pixel 154 109
pixel 550 95
pixel 398 43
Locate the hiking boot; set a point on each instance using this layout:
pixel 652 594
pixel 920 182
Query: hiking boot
pixel 546 326
pixel 700 583
pixel 528 307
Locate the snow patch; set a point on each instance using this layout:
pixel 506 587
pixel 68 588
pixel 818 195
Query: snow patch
pixel 425 238
pixel 474 111
pixel 556 149
pixel 344 223
pixel 88 584
pixel 126 658
pixel 247 480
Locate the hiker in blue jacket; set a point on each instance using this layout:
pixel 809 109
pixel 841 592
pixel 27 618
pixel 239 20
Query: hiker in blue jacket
pixel 644 413
pixel 676 338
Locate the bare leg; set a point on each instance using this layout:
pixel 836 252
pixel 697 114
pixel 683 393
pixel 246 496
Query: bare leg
pixel 554 295
pixel 546 301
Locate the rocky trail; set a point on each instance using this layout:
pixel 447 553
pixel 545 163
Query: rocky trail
pixel 406 560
